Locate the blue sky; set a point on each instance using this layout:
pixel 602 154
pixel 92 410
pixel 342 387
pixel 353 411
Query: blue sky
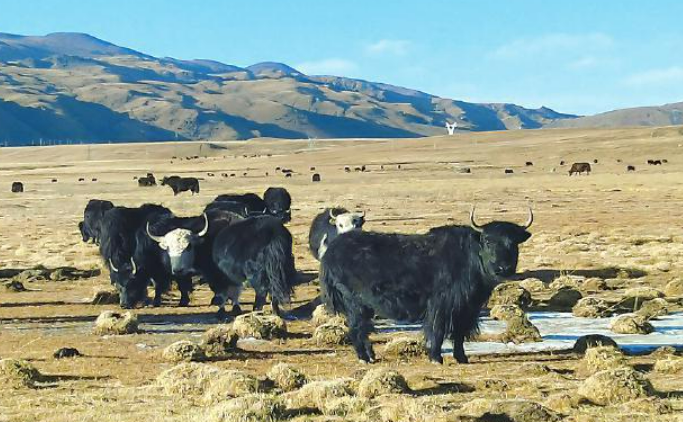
pixel 574 56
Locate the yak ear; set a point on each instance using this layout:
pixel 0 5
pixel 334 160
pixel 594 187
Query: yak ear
pixel 523 236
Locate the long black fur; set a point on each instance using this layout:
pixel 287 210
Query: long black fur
pixel 279 203
pixel 442 279
pixel 93 213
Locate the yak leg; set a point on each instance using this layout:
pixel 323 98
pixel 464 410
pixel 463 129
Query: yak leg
pixel 185 287
pixel 360 327
pixel 435 331
pixel 458 348
pixel 233 293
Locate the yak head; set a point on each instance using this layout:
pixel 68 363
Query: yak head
pixel 84 235
pixel 500 244
pixel 123 277
pixel 347 221
pixel 180 243
pixel 278 204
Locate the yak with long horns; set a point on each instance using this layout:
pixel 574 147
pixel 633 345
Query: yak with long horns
pixel 442 279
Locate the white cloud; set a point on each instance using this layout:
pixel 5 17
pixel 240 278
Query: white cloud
pixel 553 44
pixel 390 47
pixel 667 76
pixel 331 66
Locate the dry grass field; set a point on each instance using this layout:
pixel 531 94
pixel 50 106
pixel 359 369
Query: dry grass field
pixel 626 228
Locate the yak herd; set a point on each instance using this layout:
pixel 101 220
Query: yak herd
pixel 441 278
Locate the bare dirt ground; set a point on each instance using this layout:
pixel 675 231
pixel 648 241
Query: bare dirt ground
pixel 595 225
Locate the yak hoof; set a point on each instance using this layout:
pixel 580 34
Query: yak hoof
pixel 436 359
pixel 462 359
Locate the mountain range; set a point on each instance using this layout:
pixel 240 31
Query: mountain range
pixel 72 88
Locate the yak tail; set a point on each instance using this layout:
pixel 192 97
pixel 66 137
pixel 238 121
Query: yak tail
pixel 279 270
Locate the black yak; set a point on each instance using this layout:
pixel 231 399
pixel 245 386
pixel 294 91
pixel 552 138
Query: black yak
pixel 134 259
pixel 91 226
pixel 580 168
pixel 17 187
pixel 182 184
pixel 442 278
pixel 256 249
pixel 279 203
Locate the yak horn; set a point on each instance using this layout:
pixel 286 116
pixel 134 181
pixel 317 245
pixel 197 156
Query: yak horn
pixel 332 213
pixel 362 214
pixel 134 267
pixel 113 268
pixel 206 226
pixel 473 223
pixel 530 220
pixel 151 236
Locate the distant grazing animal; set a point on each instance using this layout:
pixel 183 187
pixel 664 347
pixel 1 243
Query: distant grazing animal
pixel 91 226
pixel 618 160
pixel 244 174
pixel 529 164
pixel 579 168
pixel 595 161
pixel 81 179
pixel 166 179
pixel 312 168
pixel 509 171
pixel 288 175
pixel 266 173
pixel 363 168
pixel 94 179
pixel 398 167
pixel 315 177
pixel 183 184
pixel 278 203
pixel 287 171
pixel 210 174
pixel 224 174
pixel 135 178
pixel 630 168
pixel 329 224
pixel 442 279
pixel 562 163
pixel 665 161
pixel 654 162
pixel 357 169
pixel 17 187
pixel 53 180
pixel 233 175
pixel 347 169
pixel 381 167
pixel 278 168
pixel 147 181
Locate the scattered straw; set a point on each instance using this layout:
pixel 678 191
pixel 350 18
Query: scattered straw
pixel 110 322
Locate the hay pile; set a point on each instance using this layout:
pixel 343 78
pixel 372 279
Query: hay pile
pixel 506 312
pixel 377 382
pixel 510 293
pixel 219 341
pixel 591 307
pixel 583 343
pixel 653 308
pixel 230 383
pixel 631 324
pixel 615 386
pixel 183 351
pixel 647 405
pixel 565 298
pixel 532 284
pixel 593 284
pixel 331 334
pixel 259 325
pixel 316 394
pixel 669 365
pixel 286 377
pixel 105 297
pixel 674 287
pixel 510 410
pixel 663 352
pixel 563 402
pixel 16 373
pixel 249 408
pixel 110 322
pixel 566 281
pixel 643 293
pixel 322 316
pixel 520 330
pixel 491 384
pixel 601 358
pixel 188 379
pixel 404 347
pixel 346 406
